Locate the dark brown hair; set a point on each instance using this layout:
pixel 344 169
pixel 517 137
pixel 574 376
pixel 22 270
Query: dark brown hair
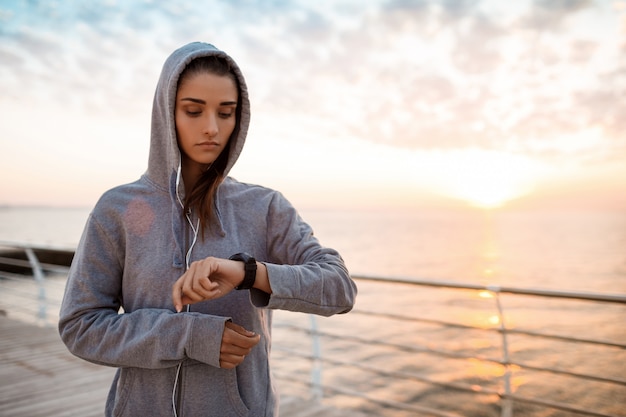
pixel 202 196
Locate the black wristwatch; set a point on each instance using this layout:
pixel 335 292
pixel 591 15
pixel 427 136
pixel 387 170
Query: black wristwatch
pixel 250 268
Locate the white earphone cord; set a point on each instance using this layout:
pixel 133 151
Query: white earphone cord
pixel 195 229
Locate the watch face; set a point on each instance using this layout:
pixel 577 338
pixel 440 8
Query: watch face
pixel 243 257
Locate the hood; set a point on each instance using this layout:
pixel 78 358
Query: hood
pixel 164 160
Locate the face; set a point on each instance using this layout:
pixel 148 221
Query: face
pixel 205 118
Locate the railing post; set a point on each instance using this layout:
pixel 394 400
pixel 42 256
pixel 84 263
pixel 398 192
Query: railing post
pixel 39 279
pixel 507 404
pixel 316 365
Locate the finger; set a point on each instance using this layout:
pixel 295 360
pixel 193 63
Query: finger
pixel 242 342
pixel 224 364
pixel 191 288
pixel 239 341
pixel 194 286
pixel 199 292
pixel 194 298
pixel 187 283
pixel 240 329
pixel 235 351
pixel 230 360
pixel 198 278
pixel 228 348
pixel 177 295
pixel 182 296
pixel 203 285
pixel 190 295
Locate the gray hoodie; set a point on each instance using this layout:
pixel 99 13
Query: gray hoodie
pixel 117 309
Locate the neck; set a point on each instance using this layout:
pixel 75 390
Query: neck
pixel 191 173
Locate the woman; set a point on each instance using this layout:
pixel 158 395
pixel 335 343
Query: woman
pixel 176 274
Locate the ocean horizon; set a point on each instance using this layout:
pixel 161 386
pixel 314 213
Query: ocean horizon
pixel 564 250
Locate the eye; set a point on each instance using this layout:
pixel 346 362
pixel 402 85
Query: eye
pixel 225 115
pixel 192 110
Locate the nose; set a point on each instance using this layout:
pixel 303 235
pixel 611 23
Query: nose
pixel 210 126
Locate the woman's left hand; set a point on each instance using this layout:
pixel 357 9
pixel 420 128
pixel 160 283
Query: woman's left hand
pixel 207 279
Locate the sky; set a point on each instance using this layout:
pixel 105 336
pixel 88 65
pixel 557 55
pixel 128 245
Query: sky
pixel 395 103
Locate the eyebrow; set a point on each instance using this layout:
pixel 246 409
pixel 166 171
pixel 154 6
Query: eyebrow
pixel 200 101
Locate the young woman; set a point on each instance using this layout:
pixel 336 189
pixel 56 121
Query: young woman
pixel 176 274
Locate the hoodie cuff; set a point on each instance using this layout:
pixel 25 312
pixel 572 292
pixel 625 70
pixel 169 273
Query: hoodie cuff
pixel 206 339
pixel 259 298
pixel 284 288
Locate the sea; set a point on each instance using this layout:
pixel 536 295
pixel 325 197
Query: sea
pixel 566 250
pixel 562 250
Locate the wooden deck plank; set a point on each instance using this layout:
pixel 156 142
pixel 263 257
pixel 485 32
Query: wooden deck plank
pixel 40 378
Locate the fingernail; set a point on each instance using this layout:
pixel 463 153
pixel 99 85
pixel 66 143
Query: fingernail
pixel 178 309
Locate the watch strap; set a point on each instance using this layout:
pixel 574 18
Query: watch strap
pixel 249 268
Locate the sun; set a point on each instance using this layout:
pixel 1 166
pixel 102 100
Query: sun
pixel 488 179
pixel 490 190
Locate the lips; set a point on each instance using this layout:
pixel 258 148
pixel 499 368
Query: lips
pixel 208 144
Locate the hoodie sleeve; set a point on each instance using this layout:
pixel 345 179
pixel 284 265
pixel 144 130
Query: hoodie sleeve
pixel 304 276
pixel 92 329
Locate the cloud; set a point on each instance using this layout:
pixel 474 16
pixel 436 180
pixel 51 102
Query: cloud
pixel 582 51
pixel 477 46
pixel 410 74
pixel 491 86
pixel 551 15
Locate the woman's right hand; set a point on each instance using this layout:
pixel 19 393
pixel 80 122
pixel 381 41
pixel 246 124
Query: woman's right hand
pixel 237 342
pixel 211 278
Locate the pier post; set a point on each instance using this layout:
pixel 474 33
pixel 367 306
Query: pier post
pixel 39 279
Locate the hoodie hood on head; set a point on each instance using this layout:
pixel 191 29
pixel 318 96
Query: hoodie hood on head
pixel 165 158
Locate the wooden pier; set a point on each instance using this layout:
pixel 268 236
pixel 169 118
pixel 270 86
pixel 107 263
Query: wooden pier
pixel 460 358
pixel 40 378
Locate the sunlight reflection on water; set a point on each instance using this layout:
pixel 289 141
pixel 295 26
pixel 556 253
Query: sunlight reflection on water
pixel 563 251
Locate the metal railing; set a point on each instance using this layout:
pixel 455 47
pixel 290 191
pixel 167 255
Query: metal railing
pixel 508 399
pixel 48 294
pixel 37 299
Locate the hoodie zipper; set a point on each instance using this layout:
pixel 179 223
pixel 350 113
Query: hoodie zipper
pixel 179 391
